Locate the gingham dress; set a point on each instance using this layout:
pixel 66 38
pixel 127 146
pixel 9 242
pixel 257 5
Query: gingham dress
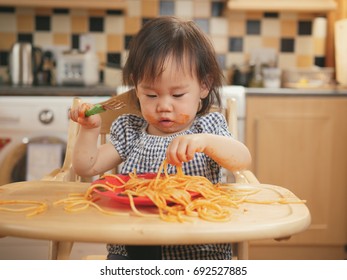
pixel 146 153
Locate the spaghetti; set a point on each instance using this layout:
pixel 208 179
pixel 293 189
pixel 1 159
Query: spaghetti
pixel 170 193
pixel 31 206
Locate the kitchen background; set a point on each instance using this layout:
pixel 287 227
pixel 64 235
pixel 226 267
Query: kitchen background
pixel 271 119
pixel 234 34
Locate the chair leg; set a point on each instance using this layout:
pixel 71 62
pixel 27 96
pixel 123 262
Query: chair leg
pixel 60 250
pixel 243 250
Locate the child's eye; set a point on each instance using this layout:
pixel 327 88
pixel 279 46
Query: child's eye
pixel 178 95
pixel 151 95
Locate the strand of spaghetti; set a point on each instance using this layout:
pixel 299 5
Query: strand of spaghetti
pixel 133 207
pixel 279 201
pixel 39 207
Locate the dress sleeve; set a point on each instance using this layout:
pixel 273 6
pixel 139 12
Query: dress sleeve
pixel 213 123
pixel 125 132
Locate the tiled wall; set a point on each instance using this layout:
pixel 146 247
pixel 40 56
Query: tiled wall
pixel 234 34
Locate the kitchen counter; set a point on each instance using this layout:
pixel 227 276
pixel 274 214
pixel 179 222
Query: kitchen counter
pixel 99 90
pixel 102 90
pixel 336 91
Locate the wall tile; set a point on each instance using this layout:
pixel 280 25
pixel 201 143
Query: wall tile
pixel 288 28
pixel 235 59
pixel 271 42
pixel 184 8
pixel 41 39
pixel 234 34
pixel 96 24
pixel 236 27
pixel 304 45
pixel 150 8
pixel 253 27
pixel 61 23
pixel 319 61
pixel 7 10
pixel 134 8
pixel 132 25
pixel 7 40
pixel 270 27
pixel 25 37
pixel 115 43
pixel 304 61
pixel 114 25
pixel 43 11
pixel 202 8
pixel 100 40
pixel 62 39
pixel 217 8
pixel 8 22
pixel 79 24
pixel 79 12
pixel 114 59
pixel 3 58
pixel 25 23
pixel 61 11
pixel 220 44
pixel 304 27
pixel 75 41
pixel 235 44
pixel 167 8
pixel 287 60
pixel 251 43
pixel 219 26
pixel 42 23
pixel 287 45
pixel 96 13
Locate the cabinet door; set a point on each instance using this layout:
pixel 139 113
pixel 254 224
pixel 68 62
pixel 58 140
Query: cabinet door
pixel 301 143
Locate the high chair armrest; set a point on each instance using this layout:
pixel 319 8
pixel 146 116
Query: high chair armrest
pixel 245 177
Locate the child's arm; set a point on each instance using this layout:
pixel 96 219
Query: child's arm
pixel 88 159
pixel 227 152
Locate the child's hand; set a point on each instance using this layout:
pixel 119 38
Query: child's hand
pixel 183 148
pixel 77 114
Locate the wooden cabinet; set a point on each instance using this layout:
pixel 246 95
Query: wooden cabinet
pixel 300 142
pixel 85 4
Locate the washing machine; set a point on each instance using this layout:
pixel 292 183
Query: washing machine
pixel 33 134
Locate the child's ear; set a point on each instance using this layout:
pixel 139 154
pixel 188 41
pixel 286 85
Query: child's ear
pixel 204 90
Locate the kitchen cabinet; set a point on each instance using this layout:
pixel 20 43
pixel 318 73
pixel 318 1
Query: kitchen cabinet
pixel 300 143
pixel 86 4
pixel 282 5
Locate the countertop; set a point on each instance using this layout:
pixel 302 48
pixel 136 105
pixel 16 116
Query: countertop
pixel 98 90
pixel 334 91
pixel 103 90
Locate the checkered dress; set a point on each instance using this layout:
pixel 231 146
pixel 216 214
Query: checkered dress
pixel 146 153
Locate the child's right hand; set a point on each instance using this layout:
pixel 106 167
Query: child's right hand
pixel 77 114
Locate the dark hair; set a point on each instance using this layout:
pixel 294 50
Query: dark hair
pixel 169 36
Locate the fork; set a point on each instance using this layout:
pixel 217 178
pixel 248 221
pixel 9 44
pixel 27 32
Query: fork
pixel 110 104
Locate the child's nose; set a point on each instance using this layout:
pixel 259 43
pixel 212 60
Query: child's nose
pixel 164 105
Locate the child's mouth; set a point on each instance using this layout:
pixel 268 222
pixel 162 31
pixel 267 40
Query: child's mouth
pixel 166 123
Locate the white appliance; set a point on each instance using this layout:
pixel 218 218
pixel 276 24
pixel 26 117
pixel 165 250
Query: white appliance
pixel 77 68
pixel 341 51
pixel 36 125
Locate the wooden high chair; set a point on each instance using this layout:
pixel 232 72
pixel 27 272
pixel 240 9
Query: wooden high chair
pixel 67 174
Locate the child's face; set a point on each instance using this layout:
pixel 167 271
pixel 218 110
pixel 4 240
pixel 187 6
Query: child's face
pixel 170 103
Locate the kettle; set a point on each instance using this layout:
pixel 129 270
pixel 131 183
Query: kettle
pixel 25 61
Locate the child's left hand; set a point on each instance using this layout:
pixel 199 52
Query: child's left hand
pixel 183 148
